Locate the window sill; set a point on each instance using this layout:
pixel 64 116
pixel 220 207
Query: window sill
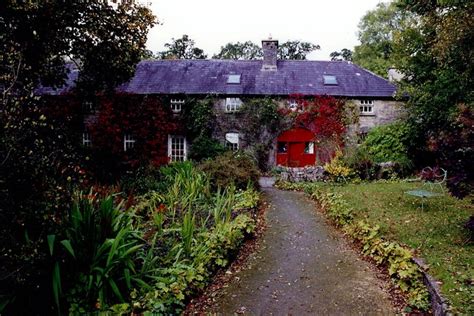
pixel 367 114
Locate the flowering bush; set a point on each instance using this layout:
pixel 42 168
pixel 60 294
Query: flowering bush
pixel 337 169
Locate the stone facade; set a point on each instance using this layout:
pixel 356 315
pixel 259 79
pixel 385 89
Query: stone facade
pixel 269 77
pixel 383 112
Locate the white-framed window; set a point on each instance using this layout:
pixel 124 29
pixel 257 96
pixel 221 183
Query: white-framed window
pixel 86 139
pixel 232 141
pixel 128 142
pixel 292 104
pixel 177 148
pixel 366 106
pixel 176 105
pixel 309 148
pixel 232 104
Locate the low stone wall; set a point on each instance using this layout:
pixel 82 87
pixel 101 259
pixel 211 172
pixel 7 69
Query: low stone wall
pixel 439 304
pixel 310 173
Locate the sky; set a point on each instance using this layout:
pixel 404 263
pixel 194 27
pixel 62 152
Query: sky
pixel 332 24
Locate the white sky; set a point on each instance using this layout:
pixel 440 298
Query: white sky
pixel 212 23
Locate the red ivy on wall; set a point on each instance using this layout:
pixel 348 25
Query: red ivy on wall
pixel 145 118
pixel 322 115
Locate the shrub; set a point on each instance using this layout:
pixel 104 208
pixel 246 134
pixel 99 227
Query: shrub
pixel 205 147
pixel 387 143
pixel 235 168
pixel 337 169
pixel 360 161
pixel 145 178
pixel 453 148
pixel 470 227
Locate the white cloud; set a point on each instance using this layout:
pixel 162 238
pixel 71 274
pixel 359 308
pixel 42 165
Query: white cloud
pixel 212 23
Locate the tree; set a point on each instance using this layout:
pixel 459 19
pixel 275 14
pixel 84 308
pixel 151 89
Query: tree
pixel 438 65
pixel 40 162
pixel 377 31
pixel 296 50
pixel 344 54
pixel 240 51
pixel 182 48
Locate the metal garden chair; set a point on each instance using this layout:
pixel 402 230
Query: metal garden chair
pixel 432 179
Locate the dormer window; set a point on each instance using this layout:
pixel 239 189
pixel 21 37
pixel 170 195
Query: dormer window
pixel 330 80
pixel 232 104
pixel 366 106
pixel 176 105
pixel 233 79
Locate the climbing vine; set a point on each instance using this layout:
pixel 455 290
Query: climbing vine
pixel 260 123
pixel 145 119
pixel 200 121
pixel 325 117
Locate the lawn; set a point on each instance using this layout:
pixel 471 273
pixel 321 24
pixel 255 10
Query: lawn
pixel 436 233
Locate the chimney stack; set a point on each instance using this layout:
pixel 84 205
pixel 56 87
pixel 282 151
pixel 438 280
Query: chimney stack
pixel 270 49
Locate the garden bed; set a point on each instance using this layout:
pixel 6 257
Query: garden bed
pixel 435 234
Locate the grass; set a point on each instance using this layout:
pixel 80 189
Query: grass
pixel 436 233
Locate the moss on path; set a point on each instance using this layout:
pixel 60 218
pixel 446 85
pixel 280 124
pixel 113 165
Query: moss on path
pixel 302 267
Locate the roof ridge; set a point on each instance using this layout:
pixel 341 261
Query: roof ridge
pixel 245 60
pixel 372 73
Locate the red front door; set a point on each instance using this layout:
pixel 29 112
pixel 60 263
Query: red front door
pixel 296 148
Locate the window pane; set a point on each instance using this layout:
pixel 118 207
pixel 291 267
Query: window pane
pixel 177 151
pixel 282 147
pixel 330 80
pixel 233 79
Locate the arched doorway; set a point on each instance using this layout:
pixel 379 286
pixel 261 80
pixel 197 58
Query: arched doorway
pixel 295 148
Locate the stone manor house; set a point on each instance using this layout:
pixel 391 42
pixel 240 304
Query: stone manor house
pixel 230 80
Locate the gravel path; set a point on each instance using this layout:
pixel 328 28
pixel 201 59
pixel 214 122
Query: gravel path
pixel 302 267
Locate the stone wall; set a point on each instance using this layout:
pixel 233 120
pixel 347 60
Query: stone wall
pixel 309 173
pixel 384 112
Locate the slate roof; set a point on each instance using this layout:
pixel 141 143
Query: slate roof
pixel 210 77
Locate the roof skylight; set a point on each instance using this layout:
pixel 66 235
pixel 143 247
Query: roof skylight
pixel 235 79
pixel 330 80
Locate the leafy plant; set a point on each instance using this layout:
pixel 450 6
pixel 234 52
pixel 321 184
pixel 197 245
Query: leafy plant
pixel 205 147
pixel 96 264
pixel 388 143
pixel 337 169
pixel 187 231
pixel 195 232
pixel 231 168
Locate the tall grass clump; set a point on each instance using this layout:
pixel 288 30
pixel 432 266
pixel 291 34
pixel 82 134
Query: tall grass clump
pixel 193 230
pixel 94 258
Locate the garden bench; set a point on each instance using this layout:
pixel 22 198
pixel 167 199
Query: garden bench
pixel 432 179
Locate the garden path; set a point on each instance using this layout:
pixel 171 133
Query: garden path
pixel 302 267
